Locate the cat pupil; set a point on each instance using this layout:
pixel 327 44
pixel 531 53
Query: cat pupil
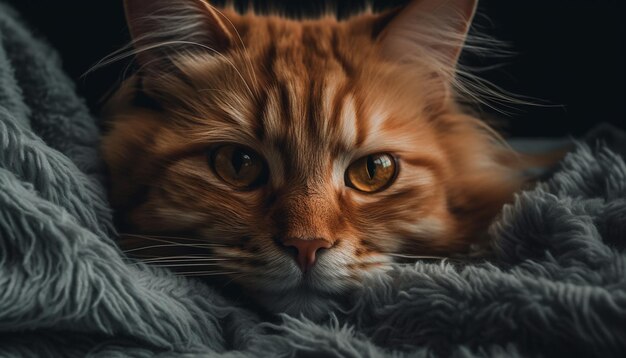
pixel 239 160
pixel 371 167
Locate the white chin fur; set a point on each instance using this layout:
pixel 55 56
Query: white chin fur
pixel 310 295
pixel 299 303
pixel 310 298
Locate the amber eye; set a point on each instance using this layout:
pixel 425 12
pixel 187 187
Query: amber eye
pixel 371 173
pixel 238 166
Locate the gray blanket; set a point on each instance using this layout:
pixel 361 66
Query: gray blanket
pixel 557 285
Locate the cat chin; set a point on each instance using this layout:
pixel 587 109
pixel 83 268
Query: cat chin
pixel 314 295
pixel 304 295
pixel 306 303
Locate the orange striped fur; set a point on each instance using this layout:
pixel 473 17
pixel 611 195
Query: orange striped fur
pixel 310 97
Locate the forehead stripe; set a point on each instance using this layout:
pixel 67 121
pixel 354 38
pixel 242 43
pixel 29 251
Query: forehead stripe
pixel 273 113
pixel 347 121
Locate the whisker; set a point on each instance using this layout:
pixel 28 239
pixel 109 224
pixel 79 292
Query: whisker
pixel 166 243
pixel 188 258
pixel 418 257
pixel 192 259
pixel 235 277
pixel 187 265
pixel 457 260
pixel 204 273
pixel 126 53
pixel 173 262
pixel 249 65
pixel 165 237
pixel 198 246
pixel 223 57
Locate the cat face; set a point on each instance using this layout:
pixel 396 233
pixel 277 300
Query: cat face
pixel 297 157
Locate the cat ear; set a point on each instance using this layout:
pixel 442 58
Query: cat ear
pixel 426 27
pixel 163 27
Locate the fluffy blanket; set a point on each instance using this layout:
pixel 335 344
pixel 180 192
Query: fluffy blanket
pixel 557 284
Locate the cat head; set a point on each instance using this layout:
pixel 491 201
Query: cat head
pixel 300 155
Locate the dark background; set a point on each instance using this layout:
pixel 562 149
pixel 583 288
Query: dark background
pixel 568 53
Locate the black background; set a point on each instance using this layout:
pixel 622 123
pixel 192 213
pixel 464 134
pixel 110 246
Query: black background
pixel 569 54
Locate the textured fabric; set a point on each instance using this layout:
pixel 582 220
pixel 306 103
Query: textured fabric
pixel 557 284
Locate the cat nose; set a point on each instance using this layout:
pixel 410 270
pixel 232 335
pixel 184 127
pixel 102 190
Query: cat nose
pixel 306 250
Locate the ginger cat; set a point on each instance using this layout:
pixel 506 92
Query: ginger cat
pixel 295 157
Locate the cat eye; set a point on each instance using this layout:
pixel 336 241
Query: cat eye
pixel 372 173
pixel 238 166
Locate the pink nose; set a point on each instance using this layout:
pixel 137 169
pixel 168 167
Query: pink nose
pixel 307 250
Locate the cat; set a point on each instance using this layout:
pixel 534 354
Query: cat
pixel 297 157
